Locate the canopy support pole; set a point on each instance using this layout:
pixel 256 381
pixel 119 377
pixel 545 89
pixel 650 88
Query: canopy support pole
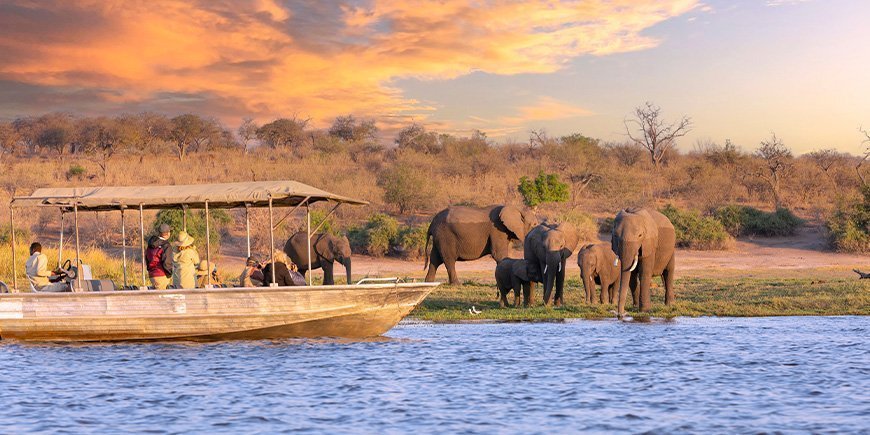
pixel 248 226
pixel 60 245
pixel 308 226
pixel 142 244
pixel 12 234
pixel 207 249
pixel 124 246
pixel 78 251
pixel 184 217
pixel 272 243
pixel 303 202
pixel 325 218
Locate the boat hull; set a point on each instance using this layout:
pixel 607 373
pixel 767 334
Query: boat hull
pixel 356 311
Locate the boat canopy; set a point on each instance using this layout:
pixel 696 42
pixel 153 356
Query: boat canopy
pixel 192 196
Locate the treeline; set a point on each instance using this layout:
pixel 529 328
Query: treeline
pixel 421 171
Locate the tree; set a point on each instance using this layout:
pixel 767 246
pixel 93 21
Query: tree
pixel 777 164
pixel 825 160
pixel 283 132
pixel 247 132
pixel 864 157
pixel 405 187
pixel 653 133
pixel 100 138
pixel 351 129
pixel 192 132
pixel 416 137
pixel 9 138
pixel 544 188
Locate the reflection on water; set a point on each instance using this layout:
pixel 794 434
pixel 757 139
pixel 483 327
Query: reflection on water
pixel 805 374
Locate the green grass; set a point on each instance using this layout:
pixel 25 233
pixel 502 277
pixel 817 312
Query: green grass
pixel 730 296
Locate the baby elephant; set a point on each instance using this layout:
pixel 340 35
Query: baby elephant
pixel 596 267
pixel 511 274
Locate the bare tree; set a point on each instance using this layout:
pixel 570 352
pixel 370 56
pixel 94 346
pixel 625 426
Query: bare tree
pixel 776 165
pixel 864 157
pixel 653 133
pixel 825 160
pixel 247 132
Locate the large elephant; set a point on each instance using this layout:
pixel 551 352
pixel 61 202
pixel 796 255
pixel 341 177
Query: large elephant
pixel 513 274
pixel 326 249
pixel 547 248
pixel 468 233
pixel 644 242
pixel 596 267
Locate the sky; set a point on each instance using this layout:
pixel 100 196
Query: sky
pixel 741 69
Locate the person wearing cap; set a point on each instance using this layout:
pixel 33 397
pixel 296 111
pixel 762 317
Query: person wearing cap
pixel 252 275
pixel 158 258
pixel 184 262
pixel 202 280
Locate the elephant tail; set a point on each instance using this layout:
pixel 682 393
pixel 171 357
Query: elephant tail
pixel 426 250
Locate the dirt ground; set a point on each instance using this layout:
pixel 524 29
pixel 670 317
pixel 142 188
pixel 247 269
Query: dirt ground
pixel 805 254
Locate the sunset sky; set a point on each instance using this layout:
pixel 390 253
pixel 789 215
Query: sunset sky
pixel 741 69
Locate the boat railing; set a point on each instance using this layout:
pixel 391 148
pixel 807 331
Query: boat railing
pixel 392 279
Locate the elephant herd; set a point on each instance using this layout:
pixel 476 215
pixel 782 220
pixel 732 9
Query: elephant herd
pixel 642 246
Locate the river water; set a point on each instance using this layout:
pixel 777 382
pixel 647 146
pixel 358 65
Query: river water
pixel 708 375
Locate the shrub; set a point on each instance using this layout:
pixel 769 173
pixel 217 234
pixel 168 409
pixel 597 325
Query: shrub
pixel 743 220
pixel 411 241
pixel 375 236
pixel 587 228
pixel 75 171
pixel 850 225
pixel 318 216
pixel 544 188
pixel 404 187
pixel 696 231
pixel 220 219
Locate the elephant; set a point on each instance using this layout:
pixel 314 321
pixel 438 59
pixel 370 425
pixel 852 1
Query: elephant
pixel 512 274
pixel 547 248
pixel 460 233
pixel 596 267
pixel 325 249
pixel 644 242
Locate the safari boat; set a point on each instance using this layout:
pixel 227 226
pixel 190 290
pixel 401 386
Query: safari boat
pixel 95 310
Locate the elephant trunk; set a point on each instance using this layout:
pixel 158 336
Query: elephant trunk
pixel 346 263
pixel 553 266
pixel 627 255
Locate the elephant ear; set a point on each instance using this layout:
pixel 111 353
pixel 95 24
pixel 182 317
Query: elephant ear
pixel 650 239
pixel 326 246
pixel 521 271
pixel 512 219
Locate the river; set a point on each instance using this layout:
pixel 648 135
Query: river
pixel 706 375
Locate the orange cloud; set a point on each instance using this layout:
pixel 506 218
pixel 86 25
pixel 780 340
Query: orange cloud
pixel 267 58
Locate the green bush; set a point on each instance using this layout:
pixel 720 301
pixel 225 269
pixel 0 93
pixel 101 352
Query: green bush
pixel 850 224
pixel 741 220
pixel 374 237
pixel 329 227
pixel 75 171
pixel 695 231
pixel 411 241
pixel 405 187
pixel 544 188
pixel 220 219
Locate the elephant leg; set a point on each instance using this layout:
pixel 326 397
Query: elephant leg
pixel 632 284
pixel 668 281
pixel 517 287
pixel 450 264
pixel 560 286
pixel 613 290
pixel 502 297
pixel 588 287
pixel 529 291
pixel 645 284
pixel 328 278
pixel 605 289
pixel 434 261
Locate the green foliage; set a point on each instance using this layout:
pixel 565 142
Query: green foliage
pixel 405 188
pixel 850 224
pixel 75 171
pixel 220 219
pixel 329 227
pixel 741 220
pixel 696 231
pixel 544 188
pixel 411 241
pixel 374 237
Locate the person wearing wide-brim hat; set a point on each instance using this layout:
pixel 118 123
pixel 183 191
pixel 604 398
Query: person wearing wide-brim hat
pixel 184 262
pixel 202 275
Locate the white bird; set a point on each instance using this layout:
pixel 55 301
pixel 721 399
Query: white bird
pixel 474 311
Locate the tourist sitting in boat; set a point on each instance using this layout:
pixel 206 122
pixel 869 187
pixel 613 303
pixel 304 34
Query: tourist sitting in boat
pixel 158 258
pixel 36 269
pixel 297 277
pixel 184 262
pixel 282 272
pixel 252 275
pixel 202 271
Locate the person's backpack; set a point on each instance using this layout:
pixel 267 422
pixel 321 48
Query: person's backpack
pixel 297 278
pixel 154 259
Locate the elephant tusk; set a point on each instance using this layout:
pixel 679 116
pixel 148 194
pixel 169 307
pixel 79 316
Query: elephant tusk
pixel 633 264
pixel 560 266
pixel 616 262
pixel 545 269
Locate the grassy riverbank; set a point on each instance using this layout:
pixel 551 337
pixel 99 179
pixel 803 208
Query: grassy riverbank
pixel 721 296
